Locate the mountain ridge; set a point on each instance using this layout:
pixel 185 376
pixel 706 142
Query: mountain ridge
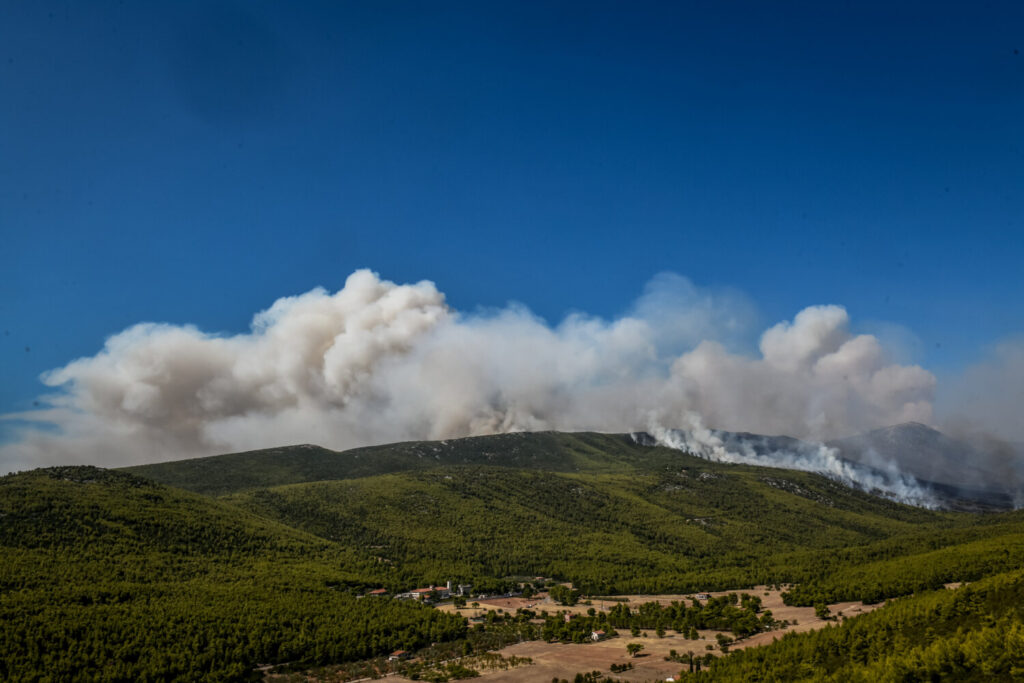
pixel 923 453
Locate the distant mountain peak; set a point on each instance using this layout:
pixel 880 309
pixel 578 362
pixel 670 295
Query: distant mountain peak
pixel 923 452
pixel 901 429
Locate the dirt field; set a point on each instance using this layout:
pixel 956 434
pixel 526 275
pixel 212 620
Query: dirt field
pixel 566 660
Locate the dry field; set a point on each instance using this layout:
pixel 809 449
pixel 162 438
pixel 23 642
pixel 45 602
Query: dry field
pixel 566 660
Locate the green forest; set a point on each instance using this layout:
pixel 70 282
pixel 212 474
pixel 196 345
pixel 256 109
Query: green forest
pixel 105 576
pixel 210 569
pixel 975 633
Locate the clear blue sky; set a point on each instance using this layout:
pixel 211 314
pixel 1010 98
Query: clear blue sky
pixel 191 162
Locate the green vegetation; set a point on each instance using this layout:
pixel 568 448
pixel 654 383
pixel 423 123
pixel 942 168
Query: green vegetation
pixel 104 576
pixel 563 595
pixel 431 664
pixel 855 574
pixel 259 558
pixel 740 614
pixel 689 526
pixel 974 633
pixel 587 677
pixel 549 451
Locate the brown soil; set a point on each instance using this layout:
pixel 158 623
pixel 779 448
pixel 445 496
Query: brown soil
pixel 566 660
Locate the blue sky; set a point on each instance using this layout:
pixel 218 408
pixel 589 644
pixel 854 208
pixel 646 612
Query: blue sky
pixel 192 162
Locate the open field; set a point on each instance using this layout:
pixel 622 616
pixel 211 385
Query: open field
pixel 566 660
pixel 771 599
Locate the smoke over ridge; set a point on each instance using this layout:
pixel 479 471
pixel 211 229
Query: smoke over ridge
pixel 886 479
pixel 378 362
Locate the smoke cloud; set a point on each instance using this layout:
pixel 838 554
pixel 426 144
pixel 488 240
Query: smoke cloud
pixel 986 398
pixel 378 362
pixel 883 477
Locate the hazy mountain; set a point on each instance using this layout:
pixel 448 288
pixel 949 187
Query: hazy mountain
pixel 953 467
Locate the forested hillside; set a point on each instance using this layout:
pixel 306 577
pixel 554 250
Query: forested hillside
pixel 975 633
pixel 702 527
pixel 549 451
pixel 641 518
pixel 104 576
pixel 696 526
pixel 109 575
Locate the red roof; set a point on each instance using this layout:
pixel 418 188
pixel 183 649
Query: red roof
pixel 398 653
pixel 379 591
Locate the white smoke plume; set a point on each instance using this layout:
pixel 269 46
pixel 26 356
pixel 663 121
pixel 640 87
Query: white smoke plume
pixel 884 477
pixel 380 362
pixel 987 397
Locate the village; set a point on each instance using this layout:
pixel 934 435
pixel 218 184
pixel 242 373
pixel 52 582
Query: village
pixel 434 594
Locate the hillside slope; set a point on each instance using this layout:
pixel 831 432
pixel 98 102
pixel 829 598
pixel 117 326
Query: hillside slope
pixel 942 465
pixel 105 576
pixel 609 512
pixel 551 451
pixel 695 524
pixel 975 633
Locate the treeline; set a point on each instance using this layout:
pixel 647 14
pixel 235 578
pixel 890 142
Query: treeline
pixel 973 633
pixel 874 582
pixel 206 632
pixel 740 614
pixel 475 651
pixel 564 595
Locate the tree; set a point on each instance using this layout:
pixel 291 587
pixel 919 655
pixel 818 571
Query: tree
pixel 563 595
pixel 821 611
pixel 634 649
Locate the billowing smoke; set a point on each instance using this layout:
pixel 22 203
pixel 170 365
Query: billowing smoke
pixel 378 362
pixel 883 477
pixel 986 398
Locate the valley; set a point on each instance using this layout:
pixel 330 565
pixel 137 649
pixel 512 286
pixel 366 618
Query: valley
pixel 255 565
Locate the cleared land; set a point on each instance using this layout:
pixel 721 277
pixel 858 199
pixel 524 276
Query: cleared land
pixel 566 660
